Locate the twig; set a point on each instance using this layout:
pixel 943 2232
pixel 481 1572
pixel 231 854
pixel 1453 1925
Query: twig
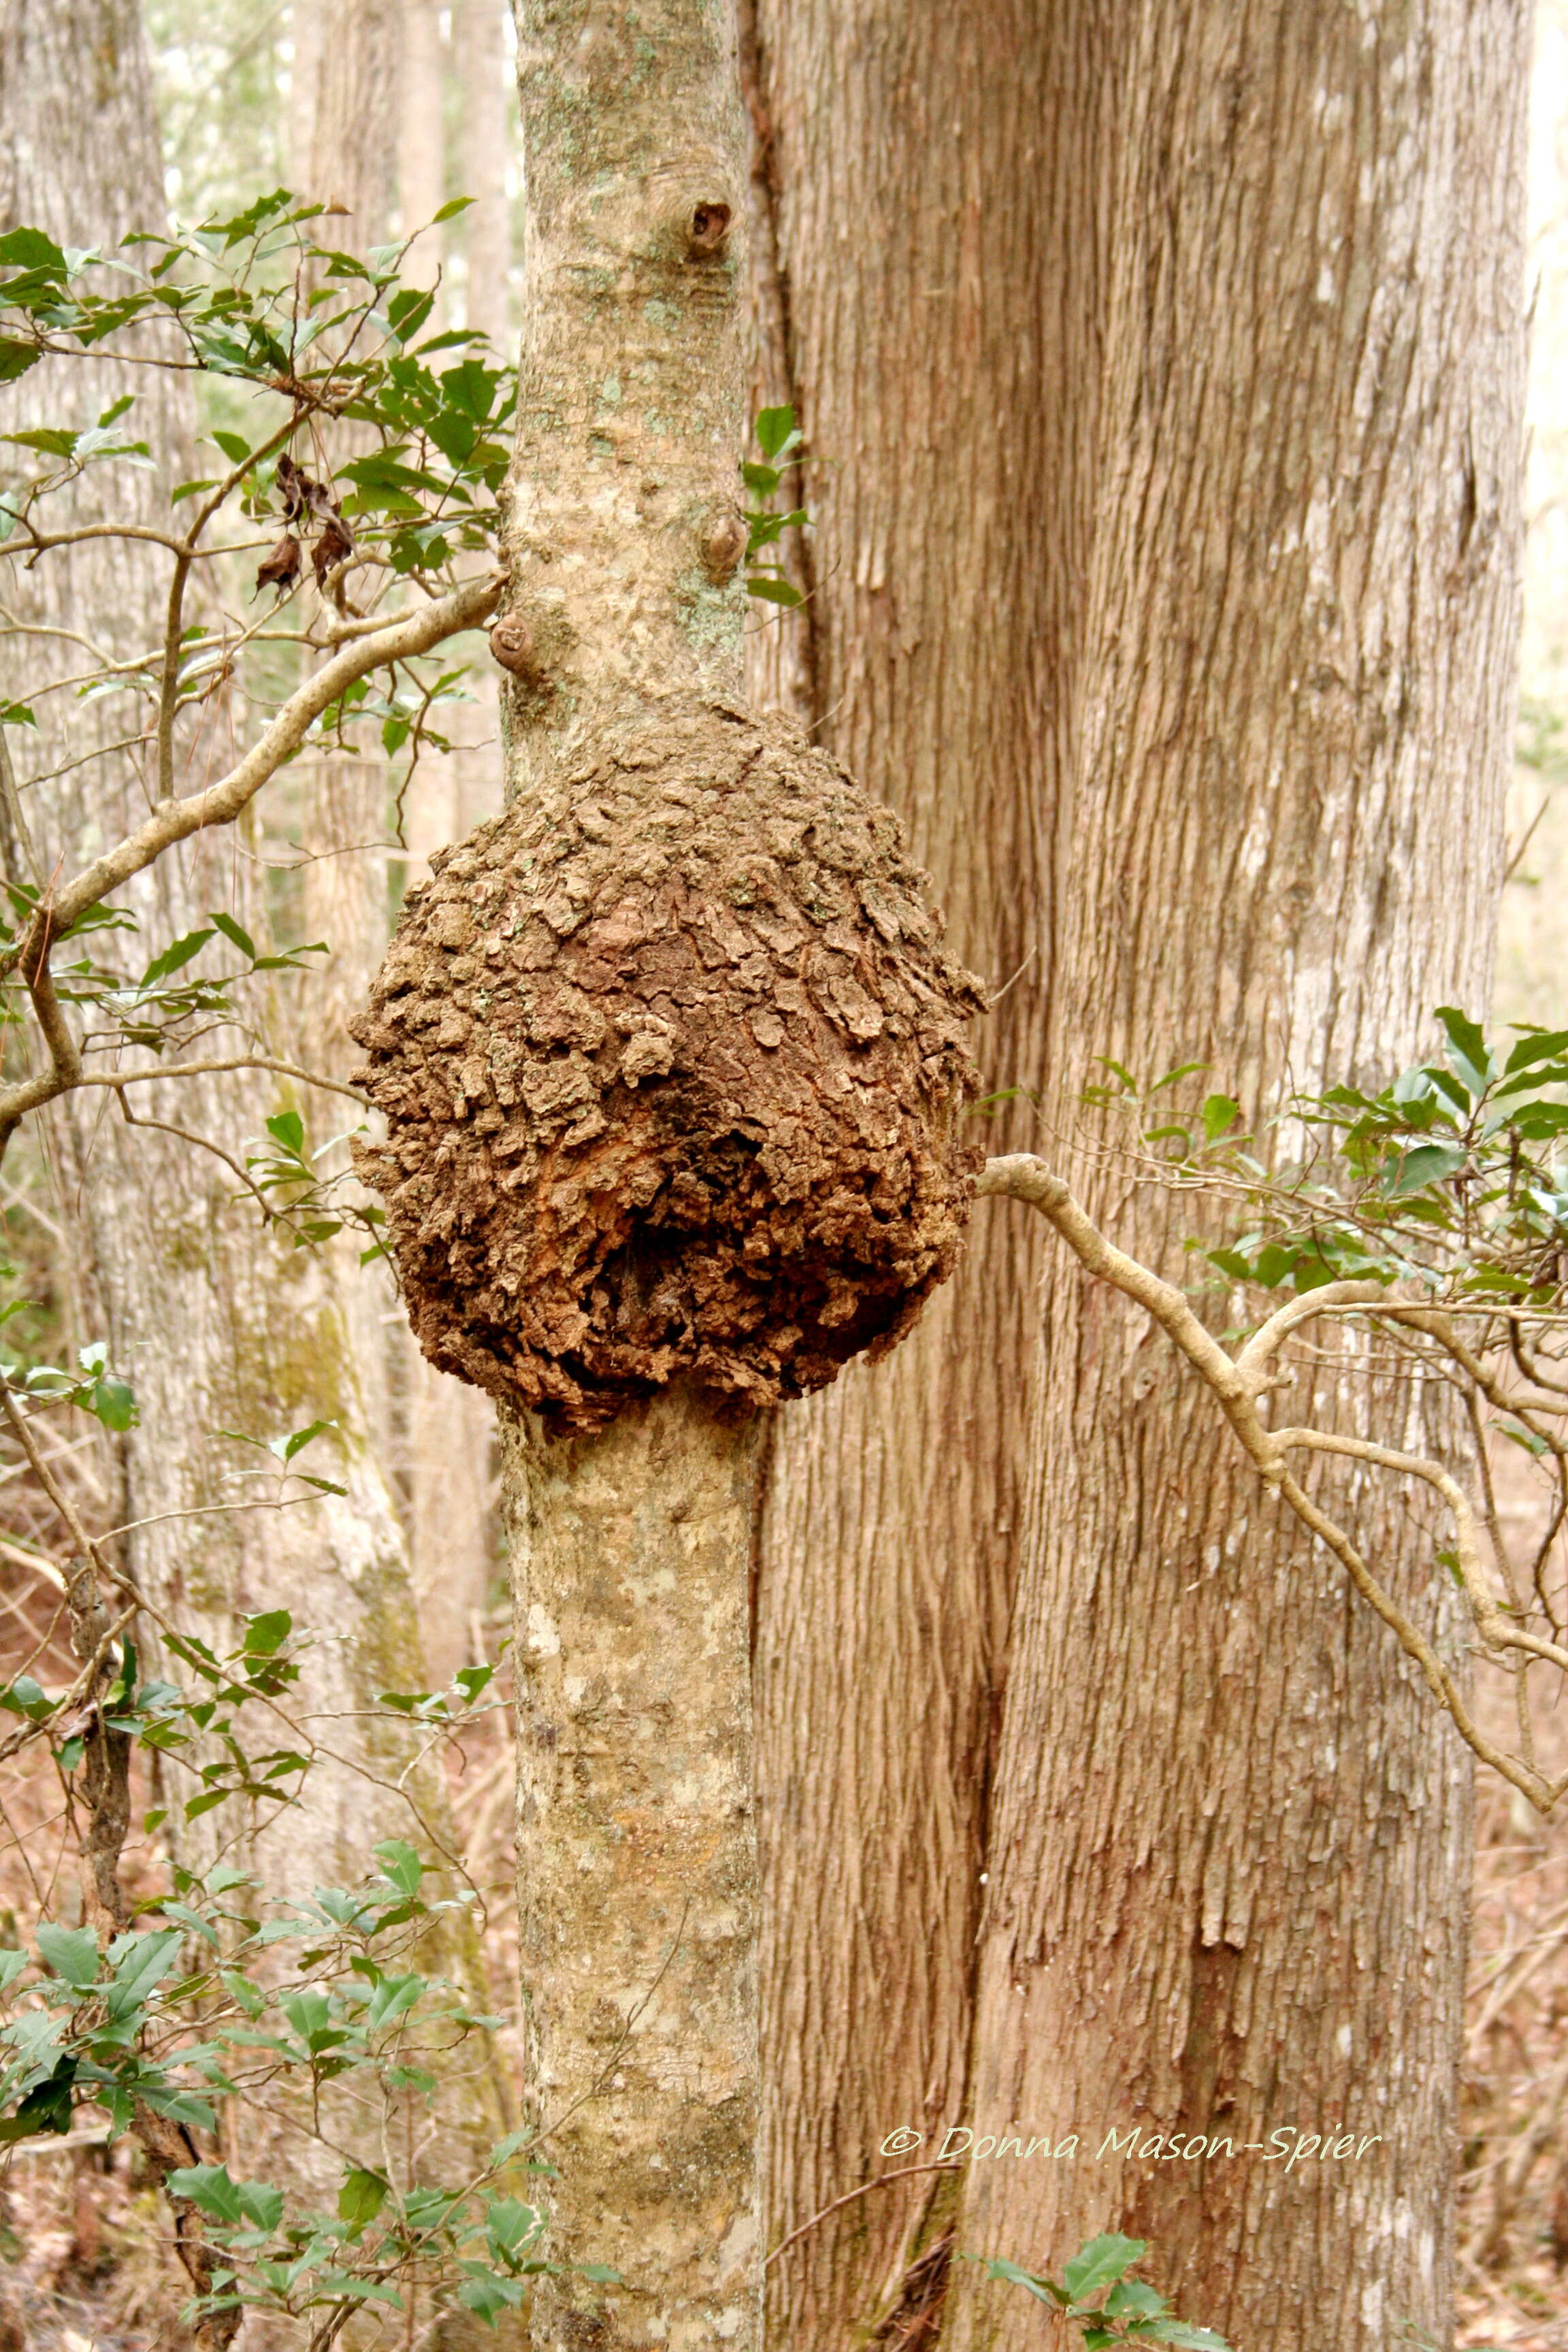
pixel 1239 1383
pixel 942 2164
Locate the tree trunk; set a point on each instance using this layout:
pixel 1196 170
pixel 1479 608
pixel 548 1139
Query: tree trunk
pixel 1228 1862
pixel 478 37
pixel 304 80
pixel 447 1461
pixel 353 143
pixel 636 1874
pixel 926 241
pixel 421 159
pixel 219 1325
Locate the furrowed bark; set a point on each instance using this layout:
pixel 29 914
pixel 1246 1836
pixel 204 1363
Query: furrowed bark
pixel 927 260
pixel 1230 1849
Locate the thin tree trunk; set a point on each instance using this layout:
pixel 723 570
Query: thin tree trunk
pixel 478 37
pixel 344 798
pixel 354 161
pixel 929 196
pixel 1228 1864
pixel 304 80
pixel 637 1877
pixel 354 143
pixel 421 162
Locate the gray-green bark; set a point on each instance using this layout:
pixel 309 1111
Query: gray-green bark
pixel 628 429
pixel 638 1885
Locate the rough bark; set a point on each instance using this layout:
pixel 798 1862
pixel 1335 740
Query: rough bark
pixel 927 281
pixel 1228 1859
pixel 674 1072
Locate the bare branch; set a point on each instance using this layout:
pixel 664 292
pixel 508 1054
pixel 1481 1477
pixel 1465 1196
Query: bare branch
pixel 1236 1384
pixel 121 1078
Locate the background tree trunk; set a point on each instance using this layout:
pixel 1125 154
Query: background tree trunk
pixel 927 227
pixel 421 157
pixel 304 75
pixel 353 136
pixel 219 1325
pixel 485 113
pixel 448 1451
pixel 1230 1846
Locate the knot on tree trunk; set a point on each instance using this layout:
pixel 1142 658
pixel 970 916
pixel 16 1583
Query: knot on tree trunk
pixel 674 1068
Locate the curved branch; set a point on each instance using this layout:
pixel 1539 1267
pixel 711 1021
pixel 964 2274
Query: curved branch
pixel 220 803
pixel 176 819
pixel 1020 1176
pixel 1024 1178
pixel 1492 1621
pixel 119 1079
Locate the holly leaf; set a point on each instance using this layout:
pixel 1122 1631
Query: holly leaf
pixel 361 2198
pixel 70 1952
pixel 1100 2262
pixel 774 591
pixel 776 431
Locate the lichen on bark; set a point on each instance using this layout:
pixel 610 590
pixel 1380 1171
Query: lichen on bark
pixel 674 1069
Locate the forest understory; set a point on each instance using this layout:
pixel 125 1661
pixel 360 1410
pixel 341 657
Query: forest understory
pixel 84 2265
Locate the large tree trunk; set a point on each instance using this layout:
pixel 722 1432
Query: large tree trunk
pixel 1228 1865
pixel 989 177
pixel 925 264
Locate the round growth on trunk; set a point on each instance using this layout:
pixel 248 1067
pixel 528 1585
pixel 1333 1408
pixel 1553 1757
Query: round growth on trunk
pixel 674 1072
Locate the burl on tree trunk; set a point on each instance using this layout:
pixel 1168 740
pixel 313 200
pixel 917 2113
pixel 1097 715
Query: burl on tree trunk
pixel 673 1067
pixel 674 1071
